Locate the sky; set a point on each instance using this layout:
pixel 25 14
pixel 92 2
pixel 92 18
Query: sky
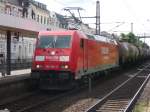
pixel 116 15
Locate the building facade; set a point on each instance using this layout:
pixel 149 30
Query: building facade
pixel 11 7
pixel 22 48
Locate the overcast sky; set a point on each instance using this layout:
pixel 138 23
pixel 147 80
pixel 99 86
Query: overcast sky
pixel 112 11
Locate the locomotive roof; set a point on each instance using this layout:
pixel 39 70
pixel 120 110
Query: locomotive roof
pixel 85 36
pixel 64 32
pixel 60 32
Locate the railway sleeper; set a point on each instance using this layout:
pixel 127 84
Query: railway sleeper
pixel 109 110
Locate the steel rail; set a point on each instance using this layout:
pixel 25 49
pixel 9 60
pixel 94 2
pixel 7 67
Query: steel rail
pixel 11 100
pixel 53 98
pixel 101 101
pixel 136 96
pixel 42 102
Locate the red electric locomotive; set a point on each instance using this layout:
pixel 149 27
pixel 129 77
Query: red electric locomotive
pixel 62 57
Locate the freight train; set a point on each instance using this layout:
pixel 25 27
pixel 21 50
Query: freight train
pixel 64 57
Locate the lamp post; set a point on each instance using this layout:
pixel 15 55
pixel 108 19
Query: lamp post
pixel 131 27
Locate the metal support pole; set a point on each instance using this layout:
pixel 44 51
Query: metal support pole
pixel 98 29
pixel 8 68
pixel 131 27
pixel 90 84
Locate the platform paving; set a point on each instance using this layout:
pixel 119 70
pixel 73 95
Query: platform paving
pixel 143 104
pixel 17 72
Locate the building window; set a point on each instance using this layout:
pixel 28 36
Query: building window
pixel 1 46
pixel 2 36
pixel 14 49
pixel 30 48
pixel 38 18
pixel 41 19
pixel 47 21
pixel 19 12
pixel 8 10
pixel 44 20
pixel 33 15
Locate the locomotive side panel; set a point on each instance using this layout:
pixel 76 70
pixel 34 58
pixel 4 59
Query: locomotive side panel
pixel 77 54
pixel 101 56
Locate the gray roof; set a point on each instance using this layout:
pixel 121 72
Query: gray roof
pixel 14 2
pixel 61 18
pixel 18 3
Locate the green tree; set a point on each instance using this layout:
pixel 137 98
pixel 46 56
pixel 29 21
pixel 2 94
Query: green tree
pixel 124 37
pixel 131 38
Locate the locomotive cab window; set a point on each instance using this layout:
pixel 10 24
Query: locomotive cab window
pixel 63 42
pixel 54 41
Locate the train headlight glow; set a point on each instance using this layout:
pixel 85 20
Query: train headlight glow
pixel 37 66
pixel 64 66
pixel 53 53
pixel 39 58
pixel 64 58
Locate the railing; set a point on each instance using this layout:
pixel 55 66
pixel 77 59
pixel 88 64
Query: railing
pixel 16 64
pixel 25 23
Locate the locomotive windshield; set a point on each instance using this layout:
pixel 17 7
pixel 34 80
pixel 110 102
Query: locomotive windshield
pixel 54 41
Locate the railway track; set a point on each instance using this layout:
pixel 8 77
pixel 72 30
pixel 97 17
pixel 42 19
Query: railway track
pixel 28 102
pixel 61 105
pixel 37 101
pixel 122 98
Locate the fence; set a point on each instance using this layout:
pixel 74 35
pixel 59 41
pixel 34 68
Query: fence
pixel 16 64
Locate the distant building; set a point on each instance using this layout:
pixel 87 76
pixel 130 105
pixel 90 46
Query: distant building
pixel 22 48
pixel 62 22
pixel 26 8
pixel 72 24
pixel 35 10
pixel 58 20
pixel 11 7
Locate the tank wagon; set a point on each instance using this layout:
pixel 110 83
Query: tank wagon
pixel 64 57
pixel 128 52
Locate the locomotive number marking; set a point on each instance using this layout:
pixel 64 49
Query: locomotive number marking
pixel 105 50
pixel 52 58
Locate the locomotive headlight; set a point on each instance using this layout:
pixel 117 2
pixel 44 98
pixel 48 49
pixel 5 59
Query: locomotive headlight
pixel 53 53
pixel 64 58
pixel 39 58
pixel 37 66
pixel 64 66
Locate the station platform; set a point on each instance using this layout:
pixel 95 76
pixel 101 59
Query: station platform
pixel 16 75
pixel 17 72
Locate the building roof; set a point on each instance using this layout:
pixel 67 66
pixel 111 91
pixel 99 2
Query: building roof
pixel 61 18
pixel 39 5
pixel 27 2
pixel 14 2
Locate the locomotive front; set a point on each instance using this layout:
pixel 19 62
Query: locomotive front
pixel 51 64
